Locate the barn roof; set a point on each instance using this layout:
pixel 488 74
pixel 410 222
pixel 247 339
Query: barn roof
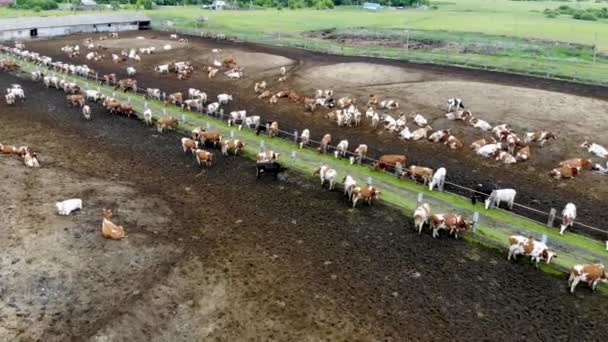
pixel 23 23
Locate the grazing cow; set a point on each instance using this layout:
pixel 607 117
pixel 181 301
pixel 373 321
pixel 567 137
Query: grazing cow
pixel 212 108
pixel 419 120
pixel 501 195
pixel 203 156
pixel 523 154
pixel 68 206
pixel 477 144
pixel 360 153
pixel 189 145
pixel 568 217
pixel 148 116
pixel 565 172
pixel 455 103
pixel 326 174
pixel 596 149
pixel 421 133
pixel 452 222
pixel 453 143
pixel 153 93
pixel 367 194
pixel 591 274
pixel 166 122
pixel 422 214
pixel 585 164
pixel 131 71
pixel 438 179
pixel 536 250
pixel 415 172
pixel 108 229
pixel 224 98
pixel 233 145
pixel 389 104
pixel 389 160
pixel 75 100
pixel 86 112
pixel 341 149
pixel 304 137
pixel 489 150
pixel 506 158
pixel 481 124
pixel 540 136
pixel 349 185
pixel 259 87
pixel 271 168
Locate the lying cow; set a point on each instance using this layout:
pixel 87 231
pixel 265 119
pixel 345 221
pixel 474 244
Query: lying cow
pixel 565 172
pixel 541 137
pixel 68 206
pixel 596 149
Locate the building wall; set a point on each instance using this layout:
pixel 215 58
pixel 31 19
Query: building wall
pixel 67 30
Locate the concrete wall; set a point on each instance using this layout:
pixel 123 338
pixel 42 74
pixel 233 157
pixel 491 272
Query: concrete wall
pixel 67 30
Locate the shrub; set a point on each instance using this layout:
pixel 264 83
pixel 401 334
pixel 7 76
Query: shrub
pixel 37 9
pixel 329 4
pixel 115 5
pixel 587 16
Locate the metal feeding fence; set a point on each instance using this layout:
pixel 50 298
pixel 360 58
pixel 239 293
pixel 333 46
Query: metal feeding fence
pixel 292 134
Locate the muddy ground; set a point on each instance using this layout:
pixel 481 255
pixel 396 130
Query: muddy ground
pixel 574 111
pixel 218 256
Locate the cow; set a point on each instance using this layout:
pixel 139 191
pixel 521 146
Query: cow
pixel 422 214
pixel 310 104
pixel 203 156
pixel 418 172
pixel 419 120
pixel 250 121
pixel 131 71
pixel 234 145
pixel 273 130
pixel 452 222
pixel 536 250
pixel 127 84
pixel 224 98
pixel 212 72
pixel 501 195
pixel 453 143
pixel 512 140
pixel 389 160
pixel 360 153
pixel 9 98
pixel 108 79
pixel 455 103
pixel 373 100
pixel 86 112
pixel 565 172
pixel 420 133
pixel 326 174
pixel 481 124
pixel 440 136
pixel 93 95
pixel 500 130
pixel 210 138
pixel 585 164
pixel 540 136
pixel 458 115
pixel 259 87
pixel 189 145
pixel 389 104
pixel 325 141
pixel 345 102
pixel 175 99
pixel 489 150
pixel 341 149
pixel 108 229
pixel 477 144
pixel 166 122
pixel 267 156
pixel 68 206
pixel 75 100
pixel 591 274
pixel 596 149
pixel 568 217
pixel 272 168
pixel 273 99
pixel 193 104
pixel 438 179
pixel 366 194
pixel 523 154
pixel 148 116
pixel 349 185
pixel 293 96
pixel 264 94
pixel 30 159
pixel 506 157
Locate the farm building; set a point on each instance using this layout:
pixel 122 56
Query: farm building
pixel 33 27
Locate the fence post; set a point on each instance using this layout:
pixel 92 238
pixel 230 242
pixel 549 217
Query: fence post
pixel 164 112
pixel 145 104
pixel 420 199
pixel 552 213
pixel 369 181
pixel 293 156
pixel 96 77
pixel 398 169
pixel 183 118
pixel 544 239
pixel 207 125
pixel 164 96
pixel 231 134
pixel 475 220
pixel 262 146
pixel 221 113
pixel 295 136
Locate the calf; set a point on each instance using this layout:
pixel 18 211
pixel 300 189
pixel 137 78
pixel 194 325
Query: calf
pixel 501 195
pixel 453 143
pixel 536 250
pixel 540 136
pixel 568 217
pixel 523 154
pixel 506 158
pixel 389 160
pixel 591 274
pixel 438 179
pixel 203 156
pixel 422 214
pixel 366 194
pixel 233 145
pixel 68 206
pixel 326 174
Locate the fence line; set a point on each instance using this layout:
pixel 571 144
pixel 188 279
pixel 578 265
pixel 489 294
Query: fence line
pixel 367 160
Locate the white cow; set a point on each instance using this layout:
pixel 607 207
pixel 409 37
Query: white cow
pixel 224 98
pixel 162 69
pixel 327 174
pixel 420 120
pixel 341 149
pixel 455 103
pixel 596 149
pixel 68 206
pixel 489 150
pixel 568 217
pixel 86 112
pixel 349 185
pixel 421 216
pixel 92 95
pixel 148 116
pixel 501 195
pixel 213 107
pixel 438 179
pixel 304 137
pixel 131 71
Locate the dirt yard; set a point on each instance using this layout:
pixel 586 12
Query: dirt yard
pixel 574 112
pixel 219 256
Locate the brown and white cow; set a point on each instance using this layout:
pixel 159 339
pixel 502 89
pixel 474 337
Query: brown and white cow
pixel 234 145
pixel 203 156
pixel 541 137
pixel 591 274
pixel 325 143
pixel 264 94
pixel 366 194
pixel 373 100
pixel 189 145
pixel 418 172
pixel 166 122
pixel 453 143
pixel 422 214
pixel 213 138
pixel 536 250
pixel 108 229
pixel 453 222
pixel 127 84
pixel 75 100
pixel 174 99
pixel 481 142
pixel 565 172
pixel 584 164
pixel 293 96
pixel 273 131
pixel 523 154
pixel 389 160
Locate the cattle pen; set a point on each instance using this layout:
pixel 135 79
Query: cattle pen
pixel 494 226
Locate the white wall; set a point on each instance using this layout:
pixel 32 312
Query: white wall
pixel 61 31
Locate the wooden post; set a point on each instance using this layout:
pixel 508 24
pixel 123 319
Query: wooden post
pixel 420 199
pixel 293 156
pixel 552 213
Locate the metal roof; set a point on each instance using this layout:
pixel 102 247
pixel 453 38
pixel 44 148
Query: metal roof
pixel 23 23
